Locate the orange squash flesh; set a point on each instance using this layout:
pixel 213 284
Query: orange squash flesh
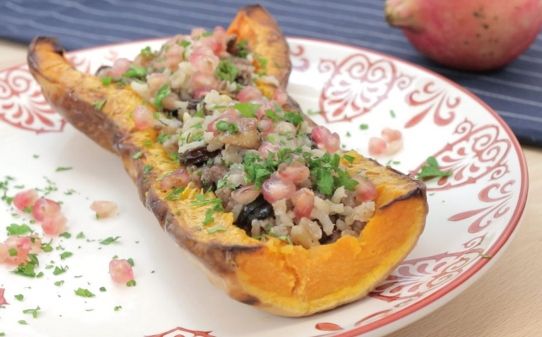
pixel 275 276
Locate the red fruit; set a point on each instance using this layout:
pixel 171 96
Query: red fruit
pixel 377 146
pixel 249 93
pixel 468 34
pixel 303 201
pixel 390 135
pixel 45 208
pixel 25 199
pixel 246 194
pixel 365 190
pixel 104 209
pixel 121 271
pixel 143 118
pixel 54 225
pixel 15 250
pixel 177 178
pixel 295 172
pixel 275 188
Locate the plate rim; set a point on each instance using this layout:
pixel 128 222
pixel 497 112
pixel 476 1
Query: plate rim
pixel 437 299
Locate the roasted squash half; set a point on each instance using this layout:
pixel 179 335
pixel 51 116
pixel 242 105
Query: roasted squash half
pixel 281 278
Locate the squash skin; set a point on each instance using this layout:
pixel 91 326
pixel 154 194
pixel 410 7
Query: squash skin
pixel 282 279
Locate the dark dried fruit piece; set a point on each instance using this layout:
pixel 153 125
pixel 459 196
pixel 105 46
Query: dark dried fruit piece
pixel 258 209
pixel 198 156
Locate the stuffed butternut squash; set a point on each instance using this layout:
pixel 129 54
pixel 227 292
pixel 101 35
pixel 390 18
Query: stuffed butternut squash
pixel 280 217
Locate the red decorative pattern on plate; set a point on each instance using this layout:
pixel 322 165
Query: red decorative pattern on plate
pixel 22 104
pixel 414 278
pixel 180 332
pixel 2 298
pixel 480 151
pixel 357 85
pixel 498 196
pixel 431 99
pixel 299 62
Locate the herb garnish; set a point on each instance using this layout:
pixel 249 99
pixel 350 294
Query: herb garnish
pixel 135 72
pixel 99 104
pixel 65 255
pixel 83 292
pixel 247 109
pixel 34 312
pixel 110 240
pixel 28 269
pixel 226 70
pixel 63 168
pixel 106 80
pixel 242 48
pixel 137 155
pixel 175 193
pixel 224 126
pixel 15 229
pixel 161 94
pixel 146 52
pixel 430 169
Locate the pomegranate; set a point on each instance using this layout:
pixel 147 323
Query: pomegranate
pixel 468 34
pixel 104 209
pixel 121 271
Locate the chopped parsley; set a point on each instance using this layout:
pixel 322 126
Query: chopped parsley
pixel 22 322
pixel 15 229
pixel 65 235
pixel 12 252
pixel 110 240
pixel 272 114
pixel 215 205
pixel 137 155
pixel 46 247
pixel 293 117
pixel 65 255
pixel 106 80
pixel 430 169
pixel 82 292
pixel 262 65
pixel 131 283
pixel 348 158
pixel 161 94
pixel 327 175
pixel 60 270
pixel 99 104
pixel 59 283
pixel 146 52
pixel 34 312
pixel 242 48
pixel 226 70
pixel 175 193
pixel 117 308
pixel 103 290
pixel 227 127
pixel 247 109
pixel 392 114
pixel 162 138
pixel 131 261
pixel 19 297
pixel 135 72
pixel 63 168
pixel 184 43
pixel 81 235
pixel 363 126
pixel 147 169
pixel 28 269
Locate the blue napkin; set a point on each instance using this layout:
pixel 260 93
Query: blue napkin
pixel 514 92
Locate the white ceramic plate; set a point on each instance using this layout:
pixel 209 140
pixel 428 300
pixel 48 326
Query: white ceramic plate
pixel 472 214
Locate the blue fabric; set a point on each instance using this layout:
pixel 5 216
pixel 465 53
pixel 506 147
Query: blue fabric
pixel 515 92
